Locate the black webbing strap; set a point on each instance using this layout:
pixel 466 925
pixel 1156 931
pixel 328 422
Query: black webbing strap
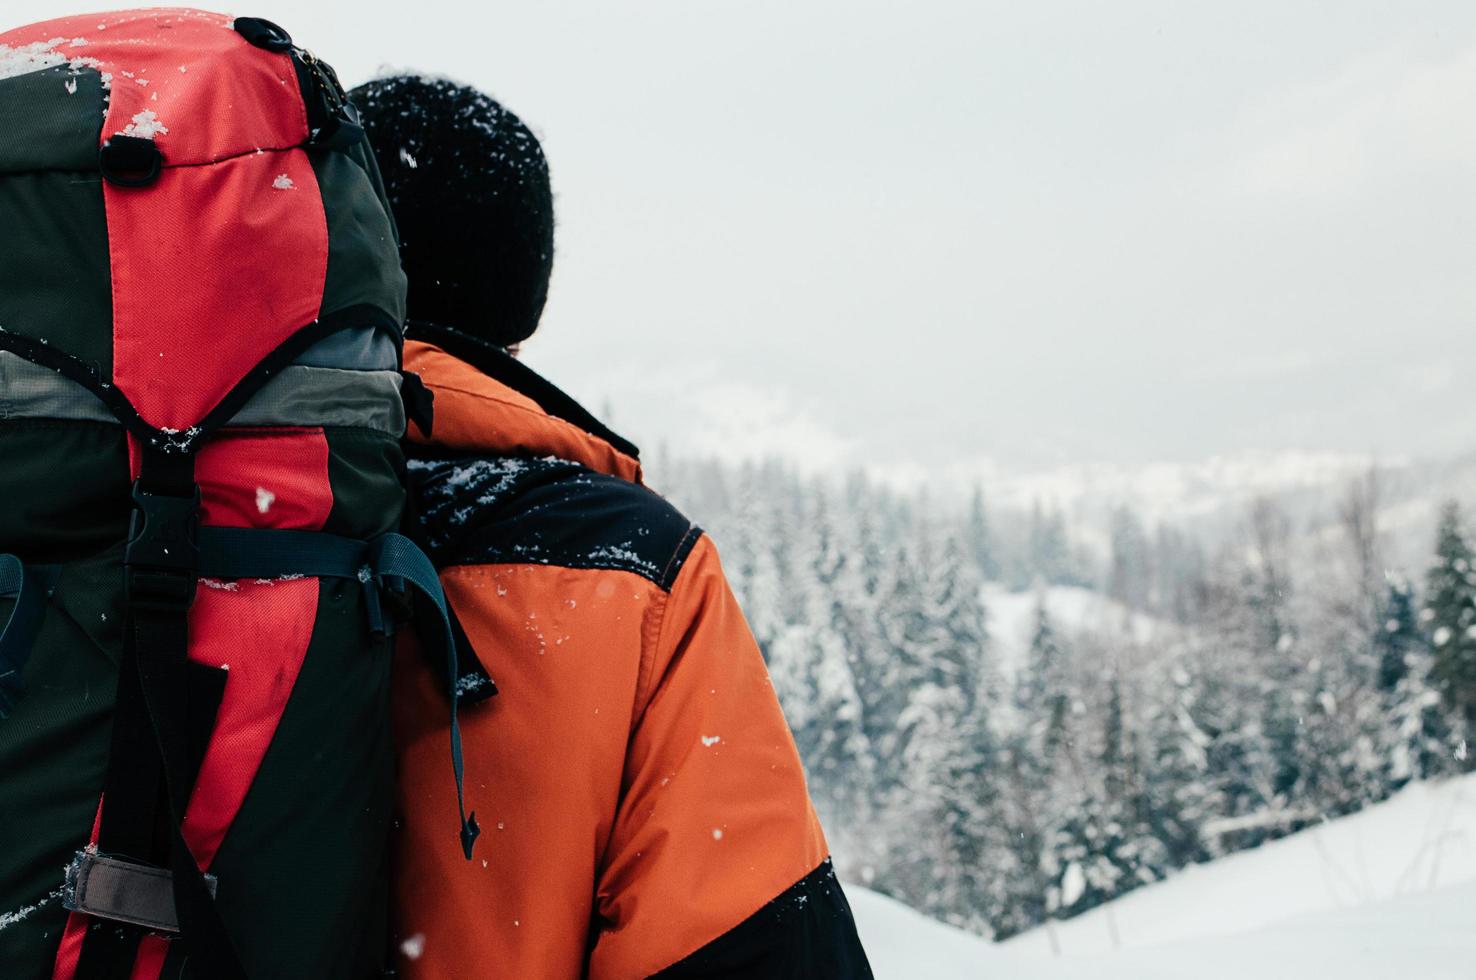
pixel 164 711
pixel 127 826
pixel 475 684
pixel 30 585
pixel 391 560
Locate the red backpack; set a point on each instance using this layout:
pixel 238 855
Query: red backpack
pixel 201 408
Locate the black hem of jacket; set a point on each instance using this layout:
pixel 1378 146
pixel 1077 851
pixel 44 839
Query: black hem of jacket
pixel 807 932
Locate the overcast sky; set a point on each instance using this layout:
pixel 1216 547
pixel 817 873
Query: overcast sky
pixel 1030 232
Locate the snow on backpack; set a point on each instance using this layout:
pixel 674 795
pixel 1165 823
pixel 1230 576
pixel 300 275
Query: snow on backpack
pixel 200 487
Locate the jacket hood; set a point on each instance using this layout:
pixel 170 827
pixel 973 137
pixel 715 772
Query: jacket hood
pixel 488 403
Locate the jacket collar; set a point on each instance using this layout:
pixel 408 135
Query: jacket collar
pixel 490 403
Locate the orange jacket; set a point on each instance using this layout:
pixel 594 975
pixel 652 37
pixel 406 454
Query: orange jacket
pixel 642 805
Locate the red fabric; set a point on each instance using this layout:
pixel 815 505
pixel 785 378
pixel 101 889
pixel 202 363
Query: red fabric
pixel 243 482
pixel 231 98
pixel 151 953
pixel 212 266
pixel 259 630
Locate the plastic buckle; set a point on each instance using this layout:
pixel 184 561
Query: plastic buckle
pixel 161 563
pixel 130 161
pixel 263 33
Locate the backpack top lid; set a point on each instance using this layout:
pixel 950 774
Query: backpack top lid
pixel 183 78
pixel 222 256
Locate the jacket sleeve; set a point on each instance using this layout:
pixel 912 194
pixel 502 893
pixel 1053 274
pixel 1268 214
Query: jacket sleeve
pixel 716 865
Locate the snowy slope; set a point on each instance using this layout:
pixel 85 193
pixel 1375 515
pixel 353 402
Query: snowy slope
pixel 1071 610
pixel 1384 894
pixel 1423 839
pixel 905 944
pixel 1430 936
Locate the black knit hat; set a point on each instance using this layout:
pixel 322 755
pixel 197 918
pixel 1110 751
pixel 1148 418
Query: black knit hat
pixel 469 187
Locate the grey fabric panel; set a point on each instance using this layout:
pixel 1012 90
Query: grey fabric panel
pixel 52 119
pixel 299 395
pixel 29 391
pixel 55 276
pixel 358 348
pixel 363 253
pixel 123 891
pixel 329 397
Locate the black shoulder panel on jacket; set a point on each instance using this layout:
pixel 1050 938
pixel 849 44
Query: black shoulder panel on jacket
pixel 505 510
pixel 806 932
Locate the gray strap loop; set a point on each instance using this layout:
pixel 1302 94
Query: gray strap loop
pixel 123 891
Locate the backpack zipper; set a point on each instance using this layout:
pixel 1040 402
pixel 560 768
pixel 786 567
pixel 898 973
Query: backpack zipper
pixel 324 97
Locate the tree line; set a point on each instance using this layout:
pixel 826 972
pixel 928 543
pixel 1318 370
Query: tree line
pixel 1288 676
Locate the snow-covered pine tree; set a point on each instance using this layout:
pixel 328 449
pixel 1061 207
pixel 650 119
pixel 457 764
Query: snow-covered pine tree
pixel 1449 618
pixel 1271 632
pixel 956 586
pixel 1342 720
pixel 940 752
pixel 902 661
pixel 1415 738
pixel 747 542
pixel 943 821
pixel 981 538
pixel 819 670
pixel 1043 692
pixel 1041 779
pixel 1398 638
pixel 1102 848
pixel 871 582
pixel 1180 791
pixel 967 769
pixel 1232 697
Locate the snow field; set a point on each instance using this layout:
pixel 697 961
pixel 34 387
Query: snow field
pixel 1385 894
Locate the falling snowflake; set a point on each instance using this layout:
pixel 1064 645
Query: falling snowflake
pixel 414 946
pixel 283 183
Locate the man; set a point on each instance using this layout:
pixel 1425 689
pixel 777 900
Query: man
pixel 643 808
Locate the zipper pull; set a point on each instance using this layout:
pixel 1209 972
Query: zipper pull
pixel 331 122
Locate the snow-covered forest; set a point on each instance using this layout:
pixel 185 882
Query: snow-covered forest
pixel 1008 718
